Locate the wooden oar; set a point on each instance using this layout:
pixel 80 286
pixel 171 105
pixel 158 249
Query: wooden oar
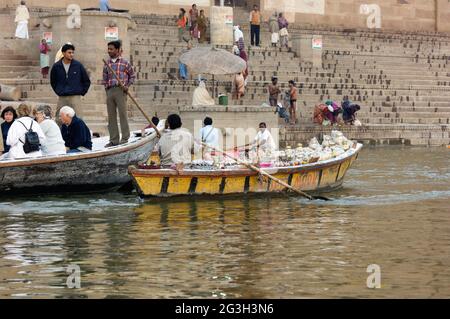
pixel 260 171
pixel 132 98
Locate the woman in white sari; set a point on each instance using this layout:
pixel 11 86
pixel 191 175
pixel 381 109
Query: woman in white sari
pixel 201 96
pixel 22 17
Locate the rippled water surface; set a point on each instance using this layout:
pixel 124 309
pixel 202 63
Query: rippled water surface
pixel 394 211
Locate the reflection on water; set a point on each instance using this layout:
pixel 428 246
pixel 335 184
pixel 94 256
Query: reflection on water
pixel 393 211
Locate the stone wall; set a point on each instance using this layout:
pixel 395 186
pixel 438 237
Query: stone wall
pixel 135 6
pixel 412 15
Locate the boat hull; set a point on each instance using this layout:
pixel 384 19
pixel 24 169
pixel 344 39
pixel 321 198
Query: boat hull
pixel 86 172
pixel 319 177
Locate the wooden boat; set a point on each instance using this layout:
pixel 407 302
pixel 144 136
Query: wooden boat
pixel 316 177
pixel 101 169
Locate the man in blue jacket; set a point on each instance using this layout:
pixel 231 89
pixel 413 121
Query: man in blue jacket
pixel 74 131
pixel 69 80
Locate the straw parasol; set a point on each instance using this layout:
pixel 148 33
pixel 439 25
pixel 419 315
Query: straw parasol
pixel 213 61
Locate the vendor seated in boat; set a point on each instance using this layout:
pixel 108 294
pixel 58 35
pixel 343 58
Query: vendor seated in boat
pixel 76 134
pixel 263 145
pixel 176 144
pixel 210 136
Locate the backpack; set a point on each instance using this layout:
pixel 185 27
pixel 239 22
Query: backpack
pixel 31 143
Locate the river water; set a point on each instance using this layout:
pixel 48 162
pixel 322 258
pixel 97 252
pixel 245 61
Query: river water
pixel 393 211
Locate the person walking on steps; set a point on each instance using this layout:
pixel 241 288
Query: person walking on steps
pixel 255 25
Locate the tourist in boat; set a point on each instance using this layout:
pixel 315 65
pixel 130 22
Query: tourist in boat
pixel 238 86
pixel 201 96
pixel 193 16
pixel 116 96
pixel 274 29
pixel 22 17
pixel 9 115
pixel 69 80
pixel 104 5
pixel 176 145
pixel 274 91
pixel 293 94
pixel 44 48
pixel 149 128
pixel 202 24
pixel 75 133
pixel 53 143
pixel 209 134
pixel 284 34
pixel 17 134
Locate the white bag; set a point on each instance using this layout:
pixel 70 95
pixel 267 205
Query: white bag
pixel 284 32
pixel 275 37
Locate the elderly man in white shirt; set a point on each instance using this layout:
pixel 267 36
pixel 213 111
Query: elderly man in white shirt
pixel 16 134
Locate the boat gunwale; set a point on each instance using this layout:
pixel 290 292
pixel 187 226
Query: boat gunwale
pixel 137 172
pixel 79 156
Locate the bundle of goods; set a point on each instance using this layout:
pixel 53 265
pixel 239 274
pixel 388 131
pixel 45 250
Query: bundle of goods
pixel 331 147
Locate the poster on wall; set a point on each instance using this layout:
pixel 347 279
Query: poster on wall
pixel 317 43
pixel 48 36
pixel 111 33
pixel 297 6
pixel 229 19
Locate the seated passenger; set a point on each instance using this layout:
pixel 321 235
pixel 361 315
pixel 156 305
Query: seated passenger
pixel 176 145
pixel 76 134
pixel 20 148
pixel 54 143
pixel 9 115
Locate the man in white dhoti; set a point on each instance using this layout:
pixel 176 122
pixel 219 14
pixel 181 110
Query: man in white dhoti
pixel 22 17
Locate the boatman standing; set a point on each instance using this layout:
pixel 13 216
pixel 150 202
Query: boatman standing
pixel 116 96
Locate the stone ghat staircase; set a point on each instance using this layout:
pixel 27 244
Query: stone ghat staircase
pixel 397 79
pixel 401 80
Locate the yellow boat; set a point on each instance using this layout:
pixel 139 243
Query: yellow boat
pixel 315 177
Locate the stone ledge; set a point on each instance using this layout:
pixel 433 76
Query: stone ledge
pixel 227 109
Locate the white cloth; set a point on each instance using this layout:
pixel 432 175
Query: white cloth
pixel 175 147
pixel 238 34
pixel 53 143
pixel 22 14
pixel 275 37
pixel 265 140
pixel 210 135
pixel 201 96
pixel 16 137
pixel 22 30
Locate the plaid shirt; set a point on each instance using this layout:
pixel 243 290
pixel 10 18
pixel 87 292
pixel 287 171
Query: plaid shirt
pixel 123 69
